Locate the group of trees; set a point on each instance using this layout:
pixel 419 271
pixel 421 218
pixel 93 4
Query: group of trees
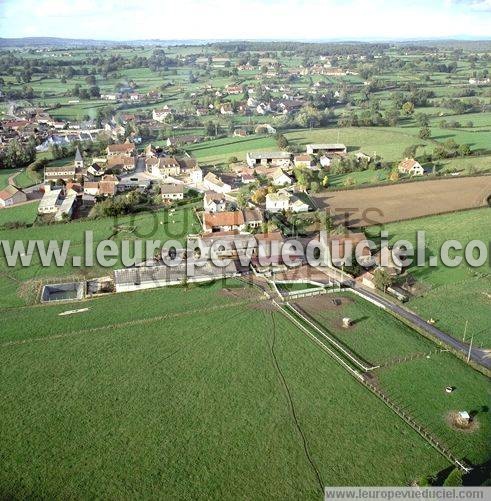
pixel 17 154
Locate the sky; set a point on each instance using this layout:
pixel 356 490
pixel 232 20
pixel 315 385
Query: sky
pixel 246 19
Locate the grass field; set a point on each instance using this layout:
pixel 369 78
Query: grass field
pixel 376 336
pixel 159 392
pixel 27 178
pixel 388 143
pixel 418 384
pixel 451 296
pixel 25 213
pixel 4 177
pixel 155 226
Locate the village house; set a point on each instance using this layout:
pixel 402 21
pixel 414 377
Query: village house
pixel 278 202
pixel 269 159
pixel 161 115
pixel 247 178
pixel 226 109
pixel 124 149
pixel 95 170
pixel 297 205
pixel 108 185
pixel 280 178
pixel 303 161
pixel 121 162
pixel 213 183
pixel 253 218
pixel 91 188
pixel 223 221
pixel 163 167
pixel 11 196
pixel 171 192
pixel 411 167
pixel 214 202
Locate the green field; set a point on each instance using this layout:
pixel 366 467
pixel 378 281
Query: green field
pixel 4 177
pixel 187 394
pixel 25 214
pixel 417 384
pixel 451 296
pixel 148 225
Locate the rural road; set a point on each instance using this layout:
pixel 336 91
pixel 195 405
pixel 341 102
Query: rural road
pixel 478 355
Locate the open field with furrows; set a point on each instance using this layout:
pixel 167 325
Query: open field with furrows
pixel 18 283
pixel 450 295
pixel 380 339
pixel 193 393
pixel 383 204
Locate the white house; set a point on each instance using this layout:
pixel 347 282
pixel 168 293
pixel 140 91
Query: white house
pixel 277 202
pixel 297 205
pixel 280 178
pixel 411 167
pixel 214 183
pixel 49 202
pixel 195 175
pixel 172 191
pixel 214 202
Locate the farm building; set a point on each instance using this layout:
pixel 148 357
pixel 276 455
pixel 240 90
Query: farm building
pixel 11 195
pixel 269 158
pixel 149 277
pixel 327 149
pixel 127 149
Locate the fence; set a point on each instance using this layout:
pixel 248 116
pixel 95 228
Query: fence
pixel 423 432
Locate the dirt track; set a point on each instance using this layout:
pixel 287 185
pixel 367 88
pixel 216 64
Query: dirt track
pixel 384 204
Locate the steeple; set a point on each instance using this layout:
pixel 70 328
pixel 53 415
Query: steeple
pixel 79 161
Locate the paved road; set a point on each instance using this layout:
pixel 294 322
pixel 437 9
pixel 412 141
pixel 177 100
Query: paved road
pixel 478 355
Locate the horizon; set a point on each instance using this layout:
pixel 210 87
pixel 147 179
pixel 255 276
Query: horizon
pixel 381 20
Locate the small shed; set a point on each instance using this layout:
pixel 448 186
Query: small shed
pixel 463 417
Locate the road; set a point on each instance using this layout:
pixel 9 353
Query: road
pixel 477 355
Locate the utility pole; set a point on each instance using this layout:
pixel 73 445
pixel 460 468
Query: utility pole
pixel 470 348
pixel 465 330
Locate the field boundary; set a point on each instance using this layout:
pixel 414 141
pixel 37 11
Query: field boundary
pixel 425 434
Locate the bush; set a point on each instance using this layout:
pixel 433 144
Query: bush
pixel 454 479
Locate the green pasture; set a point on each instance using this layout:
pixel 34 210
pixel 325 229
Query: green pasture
pixel 191 394
pixel 451 296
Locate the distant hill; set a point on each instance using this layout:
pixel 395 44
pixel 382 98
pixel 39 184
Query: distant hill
pixel 75 42
pixel 39 42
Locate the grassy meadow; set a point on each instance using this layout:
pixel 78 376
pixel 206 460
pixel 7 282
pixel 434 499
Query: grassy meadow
pixel 450 295
pixel 160 225
pixel 159 392
pixel 417 384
